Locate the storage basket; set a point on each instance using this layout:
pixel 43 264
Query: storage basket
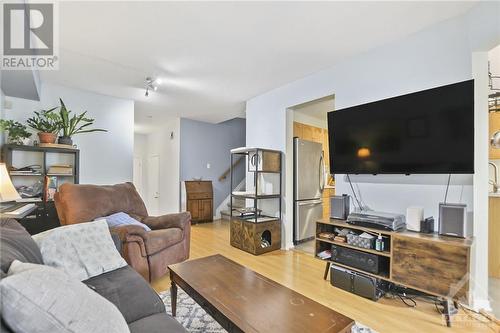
pixel 356 240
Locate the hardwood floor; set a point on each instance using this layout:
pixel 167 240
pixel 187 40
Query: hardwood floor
pixel 304 274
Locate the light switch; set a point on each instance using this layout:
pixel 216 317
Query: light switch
pixel 208 165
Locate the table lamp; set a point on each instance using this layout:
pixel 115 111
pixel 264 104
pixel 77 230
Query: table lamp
pixel 8 192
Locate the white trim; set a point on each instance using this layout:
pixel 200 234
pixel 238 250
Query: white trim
pixel 479 253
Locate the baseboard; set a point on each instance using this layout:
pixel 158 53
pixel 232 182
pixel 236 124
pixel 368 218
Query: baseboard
pixel 480 304
pixel 287 246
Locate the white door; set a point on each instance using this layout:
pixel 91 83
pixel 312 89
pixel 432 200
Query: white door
pixel 137 177
pixel 154 183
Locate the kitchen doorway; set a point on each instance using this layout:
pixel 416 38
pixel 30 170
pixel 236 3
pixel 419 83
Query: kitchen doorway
pixel 308 162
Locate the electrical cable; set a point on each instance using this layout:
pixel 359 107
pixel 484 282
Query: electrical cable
pixel 437 308
pixel 354 192
pixel 478 314
pixel 447 187
pixel 363 203
pixel 405 298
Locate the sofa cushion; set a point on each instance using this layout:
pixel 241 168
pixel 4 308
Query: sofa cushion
pixel 131 294
pixel 16 244
pixel 157 323
pixel 81 250
pixel 39 298
pixel 161 239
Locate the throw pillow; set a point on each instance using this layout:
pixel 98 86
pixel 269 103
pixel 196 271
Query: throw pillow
pixel 81 250
pixel 16 243
pixel 119 219
pixel 37 298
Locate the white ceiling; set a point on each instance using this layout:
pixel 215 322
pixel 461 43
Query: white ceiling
pixel 212 57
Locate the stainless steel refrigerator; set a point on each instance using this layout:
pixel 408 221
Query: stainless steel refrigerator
pixel 308 185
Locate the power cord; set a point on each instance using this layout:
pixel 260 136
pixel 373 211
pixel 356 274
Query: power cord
pixel 477 314
pixel 354 193
pixel 447 188
pixel 405 299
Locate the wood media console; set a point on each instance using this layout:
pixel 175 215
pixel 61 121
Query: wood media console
pixel 433 264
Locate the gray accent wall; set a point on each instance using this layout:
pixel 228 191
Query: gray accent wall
pixel 204 143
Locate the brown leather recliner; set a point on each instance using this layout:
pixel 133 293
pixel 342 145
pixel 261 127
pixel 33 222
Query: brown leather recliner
pixel 147 252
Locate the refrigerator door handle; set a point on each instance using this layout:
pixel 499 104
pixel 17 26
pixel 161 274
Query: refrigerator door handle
pixel 321 173
pixel 308 203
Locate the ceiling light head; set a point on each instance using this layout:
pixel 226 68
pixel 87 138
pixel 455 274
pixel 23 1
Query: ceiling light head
pixel 151 84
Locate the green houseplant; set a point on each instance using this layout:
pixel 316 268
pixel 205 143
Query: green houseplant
pixel 17 132
pixel 74 124
pixel 46 122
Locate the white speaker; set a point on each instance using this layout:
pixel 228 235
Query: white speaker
pixel 339 207
pixel 414 215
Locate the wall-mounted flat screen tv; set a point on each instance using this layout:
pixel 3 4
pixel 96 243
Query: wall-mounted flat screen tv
pixel 426 132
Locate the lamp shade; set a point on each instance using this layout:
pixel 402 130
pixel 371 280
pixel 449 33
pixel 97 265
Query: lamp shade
pixel 7 189
pixel 495 140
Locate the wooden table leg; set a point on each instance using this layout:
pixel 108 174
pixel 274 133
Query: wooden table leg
pixel 327 268
pixel 173 297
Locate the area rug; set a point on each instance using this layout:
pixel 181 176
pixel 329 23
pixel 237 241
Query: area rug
pixel 196 320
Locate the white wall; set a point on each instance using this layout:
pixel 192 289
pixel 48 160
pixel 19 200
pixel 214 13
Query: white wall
pixel 309 120
pixel 105 158
pixel 2 114
pixel 437 56
pixel 160 143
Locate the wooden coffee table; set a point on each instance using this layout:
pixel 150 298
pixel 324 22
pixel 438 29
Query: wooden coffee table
pixel 244 301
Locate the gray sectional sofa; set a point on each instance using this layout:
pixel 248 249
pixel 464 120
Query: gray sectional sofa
pixel 139 304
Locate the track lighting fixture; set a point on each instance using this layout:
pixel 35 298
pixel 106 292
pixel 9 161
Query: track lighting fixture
pixel 151 84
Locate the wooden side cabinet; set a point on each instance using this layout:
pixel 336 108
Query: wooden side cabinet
pixel 43 218
pixel 494 124
pixel 200 200
pixel 494 237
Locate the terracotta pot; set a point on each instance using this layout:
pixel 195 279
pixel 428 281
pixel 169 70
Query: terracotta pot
pixel 47 137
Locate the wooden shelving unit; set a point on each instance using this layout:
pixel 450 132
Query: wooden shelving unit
pixel 259 233
pixel 429 263
pixel 9 149
pixel 45 216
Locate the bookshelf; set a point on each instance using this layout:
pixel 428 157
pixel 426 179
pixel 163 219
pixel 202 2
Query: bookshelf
pixel 18 156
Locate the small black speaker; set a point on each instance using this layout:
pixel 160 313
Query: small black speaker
pixel 357 283
pixel 453 220
pixel 340 207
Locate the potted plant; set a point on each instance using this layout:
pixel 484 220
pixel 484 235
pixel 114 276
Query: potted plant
pixel 47 123
pixel 74 124
pixel 17 132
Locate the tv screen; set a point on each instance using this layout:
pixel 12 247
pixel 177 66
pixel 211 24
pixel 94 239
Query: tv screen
pixel 427 132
